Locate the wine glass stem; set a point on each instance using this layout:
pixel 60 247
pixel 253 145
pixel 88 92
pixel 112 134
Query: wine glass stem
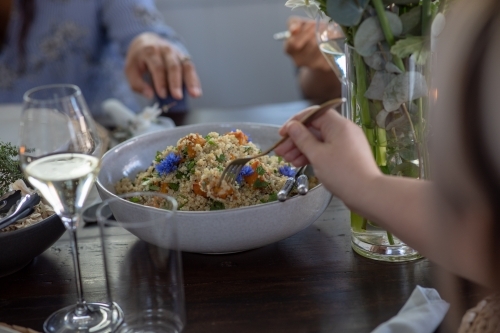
pixel 81 308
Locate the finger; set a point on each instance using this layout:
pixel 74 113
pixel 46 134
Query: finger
pixel 191 79
pixel 292 154
pixel 300 161
pixel 174 72
pixel 298 116
pixel 134 76
pixel 304 140
pixel 329 123
pixel 285 147
pixel 156 68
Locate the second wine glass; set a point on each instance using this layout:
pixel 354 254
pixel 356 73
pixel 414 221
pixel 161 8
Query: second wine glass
pixel 60 154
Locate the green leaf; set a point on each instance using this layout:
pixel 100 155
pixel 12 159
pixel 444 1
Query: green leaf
pixel 408 46
pixel 260 170
pixel 180 175
pixel 221 158
pixel 272 197
pixel 377 86
pixel 135 199
pixel 370 33
pixel 405 169
pixel 154 188
pixel 158 157
pixel 247 149
pixel 260 184
pixel 404 88
pixel 401 2
pixel 190 166
pixel 217 205
pixel 173 186
pixel 412 21
pixel 9 166
pixel 346 12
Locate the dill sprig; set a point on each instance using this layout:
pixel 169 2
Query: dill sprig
pixel 9 166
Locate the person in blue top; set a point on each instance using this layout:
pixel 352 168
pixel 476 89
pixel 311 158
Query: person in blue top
pixel 97 45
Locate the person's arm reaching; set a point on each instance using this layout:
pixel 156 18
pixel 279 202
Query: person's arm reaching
pixel 343 162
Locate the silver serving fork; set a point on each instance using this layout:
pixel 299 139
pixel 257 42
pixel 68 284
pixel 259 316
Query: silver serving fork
pixel 233 169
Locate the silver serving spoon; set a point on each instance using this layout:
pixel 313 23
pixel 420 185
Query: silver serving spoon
pixel 21 210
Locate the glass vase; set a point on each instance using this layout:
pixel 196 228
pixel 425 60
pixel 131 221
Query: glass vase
pixel 387 98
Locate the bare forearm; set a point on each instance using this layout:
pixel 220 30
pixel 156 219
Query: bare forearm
pixel 318 85
pixel 406 207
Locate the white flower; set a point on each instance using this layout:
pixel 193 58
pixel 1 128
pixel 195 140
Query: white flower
pixel 310 6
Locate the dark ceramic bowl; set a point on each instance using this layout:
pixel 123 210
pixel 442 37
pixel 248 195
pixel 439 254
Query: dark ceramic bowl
pixel 19 247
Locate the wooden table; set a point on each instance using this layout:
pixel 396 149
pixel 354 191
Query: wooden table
pixel 310 282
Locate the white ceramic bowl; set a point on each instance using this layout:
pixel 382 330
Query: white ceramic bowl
pixel 221 231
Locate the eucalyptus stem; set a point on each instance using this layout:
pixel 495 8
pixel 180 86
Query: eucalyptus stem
pixel 386 28
pixel 416 138
pixel 426 16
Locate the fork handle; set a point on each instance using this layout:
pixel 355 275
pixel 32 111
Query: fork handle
pixel 316 113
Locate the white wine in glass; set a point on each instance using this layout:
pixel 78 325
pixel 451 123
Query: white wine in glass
pixel 59 152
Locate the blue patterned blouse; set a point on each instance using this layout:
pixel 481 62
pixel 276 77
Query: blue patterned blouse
pixel 82 42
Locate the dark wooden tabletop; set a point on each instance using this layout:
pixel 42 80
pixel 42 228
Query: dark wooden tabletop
pixel 309 282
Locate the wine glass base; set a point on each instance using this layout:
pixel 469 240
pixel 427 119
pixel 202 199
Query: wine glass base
pixel 100 318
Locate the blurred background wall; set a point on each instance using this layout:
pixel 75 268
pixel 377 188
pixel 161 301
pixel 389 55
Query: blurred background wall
pixel 236 57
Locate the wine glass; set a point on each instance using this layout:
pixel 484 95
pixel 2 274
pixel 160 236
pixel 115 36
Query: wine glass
pixel 60 154
pixel 331 42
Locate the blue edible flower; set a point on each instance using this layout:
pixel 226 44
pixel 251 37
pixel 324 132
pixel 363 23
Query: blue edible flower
pixel 285 170
pixel 168 164
pixel 245 171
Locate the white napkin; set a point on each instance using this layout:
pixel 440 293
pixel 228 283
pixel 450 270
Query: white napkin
pixel 146 121
pixel 422 313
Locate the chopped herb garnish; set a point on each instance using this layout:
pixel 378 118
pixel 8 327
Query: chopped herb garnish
pixel 135 199
pixel 158 157
pixel 221 158
pixel 173 186
pixel 180 206
pixel 190 166
pixel 208 137
pixel 185 151
pixel 260 183
pixel 154 188
pixel 220 168
pixel 272 197
pixel 217 205
pixel 180 175
pixel 280 159
pixel 211 142
pixel 260 170
pixel 247 149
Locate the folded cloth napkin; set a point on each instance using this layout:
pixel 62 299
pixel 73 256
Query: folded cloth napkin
pixel 5 328
pixel 422 313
